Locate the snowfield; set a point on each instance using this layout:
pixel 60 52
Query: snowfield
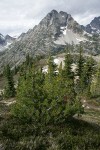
pixel 58 61
pixel 69 36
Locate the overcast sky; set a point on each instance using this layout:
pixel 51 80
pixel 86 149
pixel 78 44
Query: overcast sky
pixel 17 16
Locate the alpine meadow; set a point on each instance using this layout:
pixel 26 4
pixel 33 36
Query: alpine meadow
pixel 49 75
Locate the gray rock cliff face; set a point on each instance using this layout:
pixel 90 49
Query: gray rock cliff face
pixel 93 27
pixel 5 41
pixel 2 39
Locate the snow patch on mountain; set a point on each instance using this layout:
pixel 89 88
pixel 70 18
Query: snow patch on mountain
pixel 56 61
pixel 5 41
pixel 2 37
pixel 7 45
pixel 68 36
pixel 45 69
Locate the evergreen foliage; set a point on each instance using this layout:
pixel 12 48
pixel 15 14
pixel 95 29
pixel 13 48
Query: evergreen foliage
pixel 80 62
pixel 87 75
pixel 42 117
pixel 95 86
pixel 46 98
pixel 9 90
pixel 85 72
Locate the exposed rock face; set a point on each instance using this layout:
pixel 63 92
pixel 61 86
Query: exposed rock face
pixel 93 27
pixel 2 39
pixel 2 42
pixel 5 41
pixel 9 39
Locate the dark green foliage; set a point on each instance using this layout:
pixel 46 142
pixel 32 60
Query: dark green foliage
pixel 46 98
pixel 72 135
pixel 79 71
pixel 29 60
pixel 30 96
pixel 95 86
pixel 9 89
pixel 68 78
pixel 85 71
pixel 80 63
pixel 86 78
pixel 67 68
pixel 42 117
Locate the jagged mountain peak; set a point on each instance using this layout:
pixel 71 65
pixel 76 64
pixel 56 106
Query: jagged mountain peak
pixel 95 23
pixel 96 19
pixel 54 12
pixel 9 38
pixel 2 39
pixel 61 19
pixel 5 41
pixel 93 27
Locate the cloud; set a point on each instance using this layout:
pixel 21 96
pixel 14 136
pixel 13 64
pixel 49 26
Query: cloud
pixel 18 16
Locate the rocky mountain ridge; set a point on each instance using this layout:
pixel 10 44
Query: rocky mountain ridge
pixel 93 27
pixel 52 34
pixel 5 41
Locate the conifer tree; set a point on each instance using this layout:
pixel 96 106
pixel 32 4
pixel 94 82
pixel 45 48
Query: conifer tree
pixel 28 62
pixel 46 98
pixel 79 71
pixel 68 76
pixel 87 74
pixel 9 88
pixel 54 87
pixel 24 108
pixel 95 86
pixel 50 78
pixel 30 96
pixel 80 63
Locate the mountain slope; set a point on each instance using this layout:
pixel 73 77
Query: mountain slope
pixel 52 34
pixel 5 41
pixel 93 27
